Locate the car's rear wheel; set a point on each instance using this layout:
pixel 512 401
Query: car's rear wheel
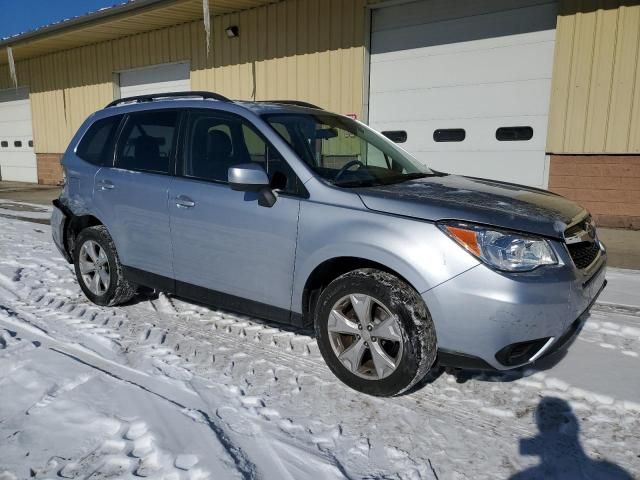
pixel 98 268
pixel 375 332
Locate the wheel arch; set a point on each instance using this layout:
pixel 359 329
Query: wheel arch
pixel 330 269
pixel 75 224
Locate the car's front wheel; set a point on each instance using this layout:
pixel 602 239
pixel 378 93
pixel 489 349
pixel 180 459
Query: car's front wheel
pixel 98 268
pixel 375 332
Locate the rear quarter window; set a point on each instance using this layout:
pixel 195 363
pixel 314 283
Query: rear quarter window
pixel 98 142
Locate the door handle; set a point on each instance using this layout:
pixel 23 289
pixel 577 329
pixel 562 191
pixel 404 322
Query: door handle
pixel 106 185
pixel 182 201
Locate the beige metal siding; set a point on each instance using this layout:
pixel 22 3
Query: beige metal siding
pixel 595 103
pixel 309 50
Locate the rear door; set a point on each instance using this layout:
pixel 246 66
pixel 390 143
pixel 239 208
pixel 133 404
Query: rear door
pixel 131 197
pixel 222 239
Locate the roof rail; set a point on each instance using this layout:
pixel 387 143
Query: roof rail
pixel 297 103
pixel 158 96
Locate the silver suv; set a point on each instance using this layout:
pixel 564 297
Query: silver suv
pixel 287 212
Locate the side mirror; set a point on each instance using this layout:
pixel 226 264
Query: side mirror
pixel 247 177
pixel 251 177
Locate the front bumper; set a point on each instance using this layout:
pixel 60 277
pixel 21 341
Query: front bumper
pixel 488 320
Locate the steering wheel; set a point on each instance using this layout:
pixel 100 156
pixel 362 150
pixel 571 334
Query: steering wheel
pixel 346 167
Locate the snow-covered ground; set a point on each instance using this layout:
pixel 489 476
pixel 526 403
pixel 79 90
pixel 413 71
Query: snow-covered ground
pixel 164 388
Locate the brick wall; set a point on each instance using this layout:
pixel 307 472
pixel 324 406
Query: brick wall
pixel 49 169
pixel 606 185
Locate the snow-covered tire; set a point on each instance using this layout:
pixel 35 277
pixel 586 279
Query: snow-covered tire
pixel 119 289
pixel 418 338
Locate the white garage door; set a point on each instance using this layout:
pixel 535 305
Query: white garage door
pixel 173 77
pixel 17 157
pixel 468 81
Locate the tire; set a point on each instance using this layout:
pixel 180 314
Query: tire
pixel 113 288
pixel 410 343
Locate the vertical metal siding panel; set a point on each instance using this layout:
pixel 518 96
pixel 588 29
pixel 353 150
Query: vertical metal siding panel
pixel 634 126
pixel 626 60
pixel 581 77
pixel 252 52
pixel 234 59
pixel 313 24
pixel 270 64
pixel 291 39
pixel 280 63
pixel 302 55
pixel 601 77
pixel 263 49
pixel 324 61
pixel 561 80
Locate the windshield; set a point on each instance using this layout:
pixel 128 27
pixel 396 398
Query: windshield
pixel 345 152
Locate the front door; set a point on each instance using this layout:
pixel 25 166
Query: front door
pixel 222 239
pixel 131 198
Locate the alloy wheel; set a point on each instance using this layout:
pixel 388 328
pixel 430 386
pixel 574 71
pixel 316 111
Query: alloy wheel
pixel 365 336
pixel 94 267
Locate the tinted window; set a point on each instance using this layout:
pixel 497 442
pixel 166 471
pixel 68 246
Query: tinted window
pixel 216 142
pixel 97 144
pixel 449 135
pixel 345 152
pixel 31 143
pixel 146 141
pixel 4 144
pixel 514 134
pixel 17 143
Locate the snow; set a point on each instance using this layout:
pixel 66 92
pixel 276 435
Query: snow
pixel 164 388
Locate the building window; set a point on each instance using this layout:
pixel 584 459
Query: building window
pixel 31 143
pixel 396 136
pixel 449 135
pixel 514 134
pixel 17 144
pixel 4 144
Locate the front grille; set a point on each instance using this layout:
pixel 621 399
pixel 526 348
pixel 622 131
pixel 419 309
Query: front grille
pixel 584 253
pixel 582 243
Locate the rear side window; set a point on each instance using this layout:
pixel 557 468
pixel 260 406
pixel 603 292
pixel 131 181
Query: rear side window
pixel 97 144
pixel 146 141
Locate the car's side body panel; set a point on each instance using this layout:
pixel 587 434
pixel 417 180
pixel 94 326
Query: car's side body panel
pixel 417 251
pixel 133 207
pixel 228 243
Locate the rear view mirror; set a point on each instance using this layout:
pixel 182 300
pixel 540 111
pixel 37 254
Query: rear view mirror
pixel 247 177
pixel 251 177
pixel 326 133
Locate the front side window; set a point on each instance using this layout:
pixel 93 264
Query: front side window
pixel 216 142
pixel 146 141
pixel 98 142
pixel 345 152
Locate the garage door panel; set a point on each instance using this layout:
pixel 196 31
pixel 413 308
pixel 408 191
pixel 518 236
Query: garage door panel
pixel 419 13
pixel 522 168
pixel 509 99
pixel 477 66
pixel 166 78
pixel 480 134
pixel 495 65
pixel 17 162
pixel 459 34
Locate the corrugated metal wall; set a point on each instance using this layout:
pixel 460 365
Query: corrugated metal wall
pixel 303 49
pixel 595 103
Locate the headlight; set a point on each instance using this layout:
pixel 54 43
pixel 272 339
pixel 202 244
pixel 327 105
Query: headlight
pixel 502 250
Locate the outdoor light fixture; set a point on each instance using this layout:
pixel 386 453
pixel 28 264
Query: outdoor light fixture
pixel 232 31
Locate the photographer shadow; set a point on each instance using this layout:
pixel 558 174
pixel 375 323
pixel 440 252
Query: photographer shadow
pixel 558 446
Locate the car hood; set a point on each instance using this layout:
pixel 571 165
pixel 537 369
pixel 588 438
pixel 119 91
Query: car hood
pixel 452 197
